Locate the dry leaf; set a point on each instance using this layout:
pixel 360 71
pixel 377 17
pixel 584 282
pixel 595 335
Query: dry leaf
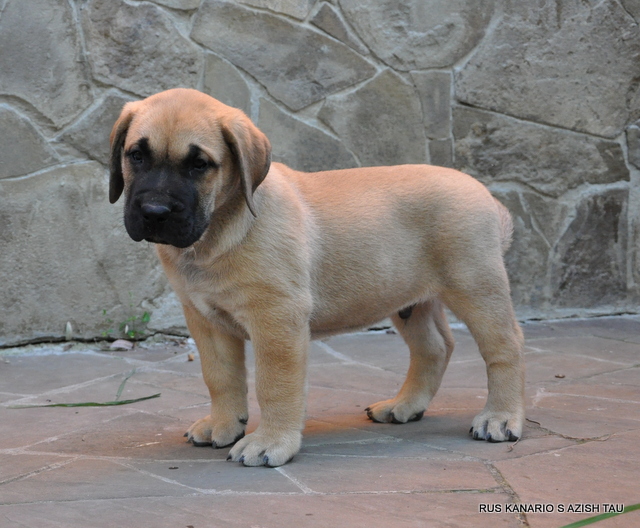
pixel 121 344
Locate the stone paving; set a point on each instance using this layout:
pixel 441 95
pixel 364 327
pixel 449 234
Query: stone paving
pixel 129 465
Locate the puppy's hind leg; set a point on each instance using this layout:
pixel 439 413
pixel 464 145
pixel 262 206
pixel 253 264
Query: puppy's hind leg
pixel 486 309
pixel 426 331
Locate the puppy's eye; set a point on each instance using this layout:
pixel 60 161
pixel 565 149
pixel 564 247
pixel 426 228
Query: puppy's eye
pixel 200 164
pixel 136 156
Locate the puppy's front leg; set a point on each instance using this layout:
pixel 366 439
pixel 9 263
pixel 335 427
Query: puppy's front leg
pixel 281 358
pixel 223 370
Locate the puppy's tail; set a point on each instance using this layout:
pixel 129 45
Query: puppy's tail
pixel 506 226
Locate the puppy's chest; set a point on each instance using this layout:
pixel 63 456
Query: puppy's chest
pixel 210 292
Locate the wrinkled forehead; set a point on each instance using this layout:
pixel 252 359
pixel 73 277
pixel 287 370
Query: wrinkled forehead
pixel 171 130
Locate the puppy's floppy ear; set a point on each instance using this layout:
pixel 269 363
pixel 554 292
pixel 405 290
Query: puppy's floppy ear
pixel 252 152
pixel 118 135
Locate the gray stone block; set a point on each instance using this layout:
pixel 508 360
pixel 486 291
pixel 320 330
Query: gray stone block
pixel 224 82
pixel 548 215
pixel 40 58
pixel 138 48
pixel 297 66
pixel 186 5
pixel 496 148
pixel 168 316
pixel 299 145
pixel 632 7
pixel 572 64
pixel 70 256
pixel 441 152
pixel 23 149
pixel 528 257
pixel 589 266
pixel 415 34
pixel 328 19
pixel 294 8
pixel 633 144
pixel 434 88
pixel 91 133
pixel 381 121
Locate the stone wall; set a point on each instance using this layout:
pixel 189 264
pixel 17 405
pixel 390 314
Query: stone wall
pixel 538 99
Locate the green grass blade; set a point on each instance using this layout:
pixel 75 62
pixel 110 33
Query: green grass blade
pixel 601 517
pixel 86 404
pixel 122 384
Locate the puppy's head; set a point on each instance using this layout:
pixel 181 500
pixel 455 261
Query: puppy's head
pixel 180 156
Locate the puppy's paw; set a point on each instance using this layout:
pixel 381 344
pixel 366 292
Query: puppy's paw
pixel 262 448
pixel 216 433
pixel 494 426
pixel 394 411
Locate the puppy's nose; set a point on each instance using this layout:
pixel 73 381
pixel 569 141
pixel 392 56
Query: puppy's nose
pixel 155 212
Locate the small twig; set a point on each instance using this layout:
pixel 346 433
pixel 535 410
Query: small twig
pixel 513 445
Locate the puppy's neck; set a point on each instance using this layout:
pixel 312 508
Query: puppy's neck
pixel 227 228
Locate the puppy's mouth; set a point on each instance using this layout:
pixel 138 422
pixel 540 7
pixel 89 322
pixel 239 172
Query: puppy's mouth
pixel 164 224
pixel 179 242
pixel 156 239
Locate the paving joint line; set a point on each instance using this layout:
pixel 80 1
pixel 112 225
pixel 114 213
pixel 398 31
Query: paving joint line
pixel 297 482
pixel 583 440
pixel 44 469
pixel 508 489
pixel 470 491
pixel 346 359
